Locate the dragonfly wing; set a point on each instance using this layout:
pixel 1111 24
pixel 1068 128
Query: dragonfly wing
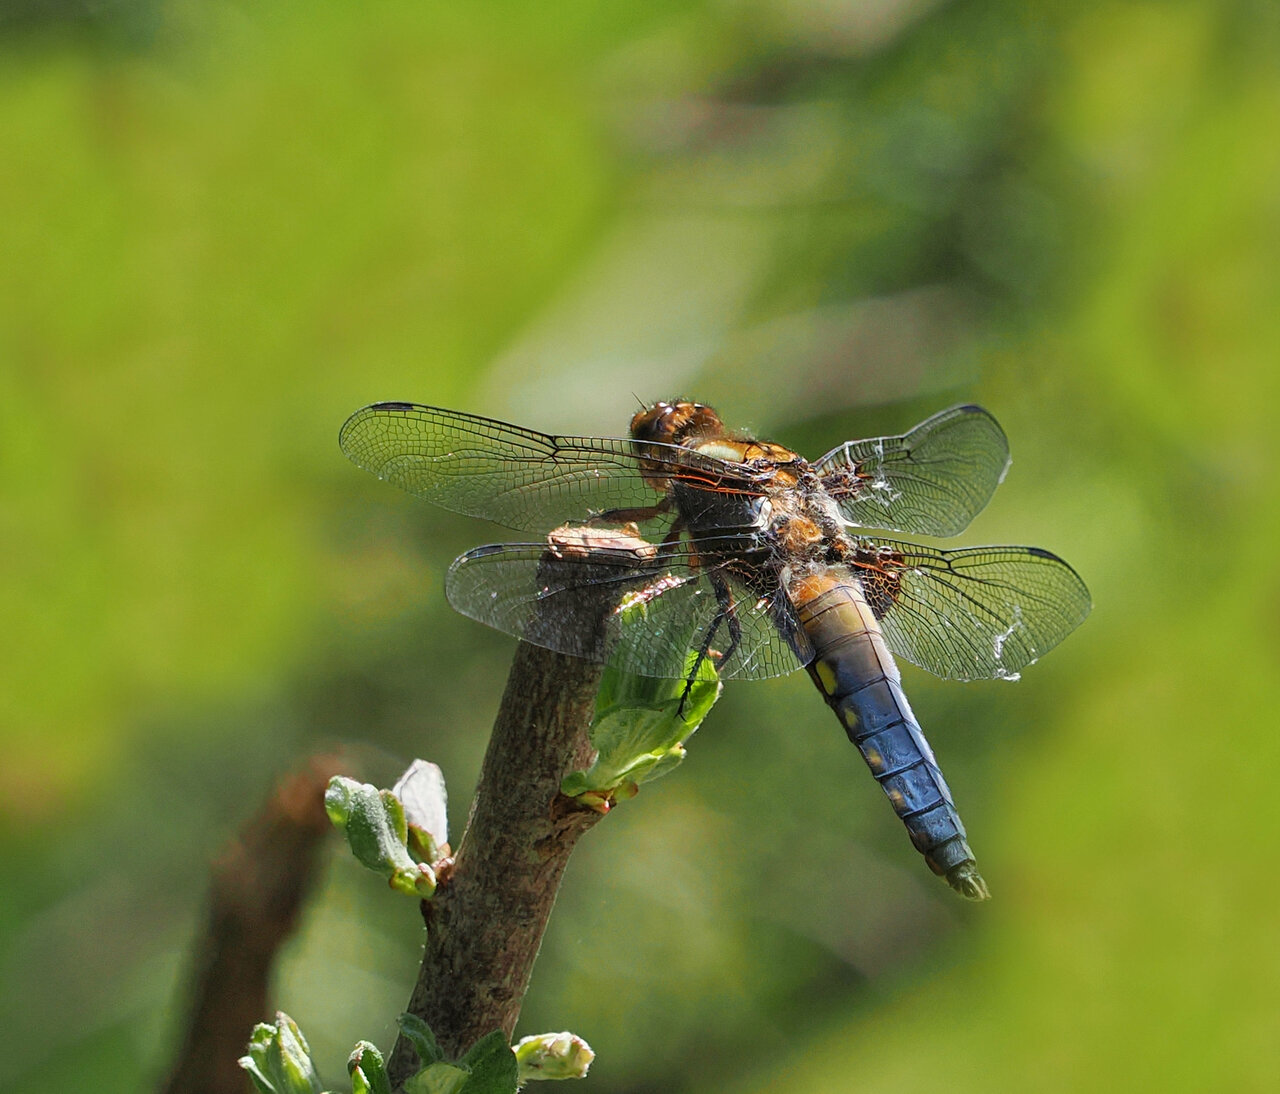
pixel 975 614
pixel 640 615
pixel 930 481
pixel 514 476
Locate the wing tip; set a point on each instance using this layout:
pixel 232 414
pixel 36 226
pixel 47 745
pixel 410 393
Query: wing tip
pixel 347 438
pixel 1086 598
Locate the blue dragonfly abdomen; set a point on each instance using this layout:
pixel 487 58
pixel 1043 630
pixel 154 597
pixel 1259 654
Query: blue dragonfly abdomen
pixel 856 673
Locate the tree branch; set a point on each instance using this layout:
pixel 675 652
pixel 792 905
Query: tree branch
pixel 258 887
pixel 485 923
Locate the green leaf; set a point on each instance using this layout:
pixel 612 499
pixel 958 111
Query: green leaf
pixel 553 1056
pixel 367 1071
pixel 639 730
pixel 492 1065
pixel 374 823
pixel 421 790
pixel 419 1034
pixel 439 1078
pixel 279 1059
pixel 488 1068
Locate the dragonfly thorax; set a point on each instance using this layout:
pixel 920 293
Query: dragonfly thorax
pixel 710 512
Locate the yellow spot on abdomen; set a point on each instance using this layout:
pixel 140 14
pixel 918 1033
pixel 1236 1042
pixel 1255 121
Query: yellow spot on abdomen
pixel 874 760
pixel 828 677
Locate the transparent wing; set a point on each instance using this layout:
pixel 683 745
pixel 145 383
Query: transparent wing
pixel 931 481
pixel 513 476
pixel 653 613
pixel 975 614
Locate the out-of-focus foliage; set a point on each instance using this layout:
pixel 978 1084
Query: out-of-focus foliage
pixel 227 226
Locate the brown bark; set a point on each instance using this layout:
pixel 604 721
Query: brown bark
pixel 485 924
pixel 258 887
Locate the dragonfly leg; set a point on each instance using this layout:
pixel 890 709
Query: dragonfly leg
pixel 672 537
pixel 634 515
pixel 725 615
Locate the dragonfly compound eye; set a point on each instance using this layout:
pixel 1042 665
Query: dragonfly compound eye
pixel 675 423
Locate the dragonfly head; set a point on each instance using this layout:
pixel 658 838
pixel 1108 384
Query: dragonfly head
pixel 676 423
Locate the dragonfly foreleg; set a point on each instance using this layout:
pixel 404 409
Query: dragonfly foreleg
pixel 632 516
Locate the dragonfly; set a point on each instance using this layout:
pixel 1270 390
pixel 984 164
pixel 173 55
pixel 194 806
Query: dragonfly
pixel 753 558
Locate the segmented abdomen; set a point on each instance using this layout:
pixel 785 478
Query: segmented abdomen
pixel 858 677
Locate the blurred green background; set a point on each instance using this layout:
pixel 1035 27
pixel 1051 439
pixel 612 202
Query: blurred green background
pixel 225 226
